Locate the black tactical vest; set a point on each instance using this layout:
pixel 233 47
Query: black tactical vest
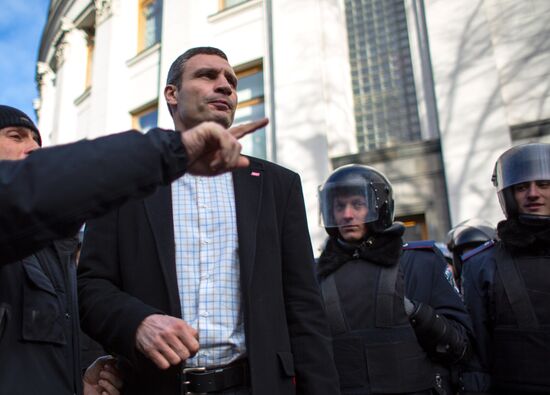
pixel 375 347
pixel 521 339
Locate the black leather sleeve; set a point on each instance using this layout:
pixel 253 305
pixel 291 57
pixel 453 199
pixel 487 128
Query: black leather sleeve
pixel 50 194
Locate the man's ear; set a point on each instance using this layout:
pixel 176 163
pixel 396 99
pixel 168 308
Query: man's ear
pixel 170 94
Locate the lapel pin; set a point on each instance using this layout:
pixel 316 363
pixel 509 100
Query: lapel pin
pixel 255 174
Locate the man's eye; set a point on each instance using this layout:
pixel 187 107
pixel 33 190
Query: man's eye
pixel 543 183
pixel 520 187
pixel 14 136
pixel 207 75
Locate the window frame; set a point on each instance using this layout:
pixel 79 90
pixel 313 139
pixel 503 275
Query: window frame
pixel 142 111
pixel 223 6
pixel 246 70
pixel 90 47
pixel 142 24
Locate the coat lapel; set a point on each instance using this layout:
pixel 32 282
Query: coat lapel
pixel 248 193
pixel 159 212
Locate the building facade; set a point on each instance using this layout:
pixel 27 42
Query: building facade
pixel 430 92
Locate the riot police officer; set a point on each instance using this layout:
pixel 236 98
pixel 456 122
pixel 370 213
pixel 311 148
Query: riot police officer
pixel 464 237
pixel 507 283
pixel 392 313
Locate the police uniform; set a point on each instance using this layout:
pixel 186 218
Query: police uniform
pixel 507 291
pixel 378 348
pixel 392 312
pixel 507 283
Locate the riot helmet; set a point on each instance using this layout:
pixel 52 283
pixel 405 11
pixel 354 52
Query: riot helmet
pixel 361 187
pixel 519 164
pixel 466 236
pixel 469 234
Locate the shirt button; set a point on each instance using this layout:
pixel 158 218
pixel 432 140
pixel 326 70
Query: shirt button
pixel 204 314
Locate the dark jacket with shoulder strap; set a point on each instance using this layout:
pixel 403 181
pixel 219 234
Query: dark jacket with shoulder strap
pixel 507 290
pixel 376 347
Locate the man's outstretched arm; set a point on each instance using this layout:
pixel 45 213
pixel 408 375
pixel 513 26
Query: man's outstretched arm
pixel 51 193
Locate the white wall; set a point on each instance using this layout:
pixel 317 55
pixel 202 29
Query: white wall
pixel 472 114
pixel 520 34
pixel 314 105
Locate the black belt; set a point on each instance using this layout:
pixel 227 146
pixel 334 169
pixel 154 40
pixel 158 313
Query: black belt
pixel 201 380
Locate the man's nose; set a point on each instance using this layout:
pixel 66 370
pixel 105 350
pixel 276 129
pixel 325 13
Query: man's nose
pixel 223 86
pixel 348 211
pixel 533 190
pixel 31 146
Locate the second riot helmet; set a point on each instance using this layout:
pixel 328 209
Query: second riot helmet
pixel 362 181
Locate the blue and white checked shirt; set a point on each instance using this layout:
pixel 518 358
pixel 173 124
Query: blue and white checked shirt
pixel 207 266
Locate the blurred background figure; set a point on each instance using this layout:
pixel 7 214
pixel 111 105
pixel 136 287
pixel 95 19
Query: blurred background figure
pixel 464 237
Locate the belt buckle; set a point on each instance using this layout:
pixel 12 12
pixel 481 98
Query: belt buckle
pixel 187 382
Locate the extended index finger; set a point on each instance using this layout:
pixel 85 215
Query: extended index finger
pixel 243 130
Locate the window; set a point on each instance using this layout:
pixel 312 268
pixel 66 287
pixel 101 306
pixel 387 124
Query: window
pixel 150 23
pixel 415 227
pixel 530 130
pixel 90 39
pixel 230 3
pixel 146 118
pixel 251 106
pixel 379 47
pixel 86 26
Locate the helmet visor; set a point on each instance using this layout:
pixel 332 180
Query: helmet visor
pixel 526 163
pixel 345 204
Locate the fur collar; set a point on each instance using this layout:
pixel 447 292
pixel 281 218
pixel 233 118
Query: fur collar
pixel 520 236
pixel 382 249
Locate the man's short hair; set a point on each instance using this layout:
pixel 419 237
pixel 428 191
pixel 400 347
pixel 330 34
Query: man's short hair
pixel 177 67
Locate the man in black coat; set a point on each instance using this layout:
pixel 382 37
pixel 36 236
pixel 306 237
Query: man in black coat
pixel 46 197
pixel 507 282
pixel 397 323
pixel 212 297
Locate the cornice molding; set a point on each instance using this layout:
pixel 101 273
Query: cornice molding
pixel 44 74
pixel 104 10
pixel 67 25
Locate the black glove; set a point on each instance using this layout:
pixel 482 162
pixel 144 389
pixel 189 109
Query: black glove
pixel 440 339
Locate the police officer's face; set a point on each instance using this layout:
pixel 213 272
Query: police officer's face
pixel 16 142
pixel 208 92
pixel 533 197
pixel 350 213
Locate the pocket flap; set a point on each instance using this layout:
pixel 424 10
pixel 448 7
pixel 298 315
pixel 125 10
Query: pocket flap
pixel 36 275
pixel 287 362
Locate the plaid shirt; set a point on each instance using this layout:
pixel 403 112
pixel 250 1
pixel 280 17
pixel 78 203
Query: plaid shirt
pixel 207 266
